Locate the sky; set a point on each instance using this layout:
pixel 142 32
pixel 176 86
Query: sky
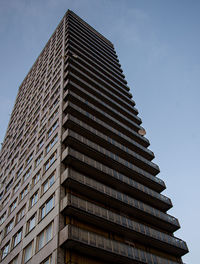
pixel 158 45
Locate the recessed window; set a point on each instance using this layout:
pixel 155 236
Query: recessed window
pixel 34 199
pixel 5 250
pixel 39 159
pixel 50 161
pixel 17 238
pixel 13 205
pixel 16 188
pixel 3 218
pixel 24 192
pixel 21 214
pixel 31 223
pixel 9 227
pixel 41 143
pixel 14 261
pixel 19 172
pixel 47 260
pixel 47 207
pixel 29 158
pixel 27 174
pixel 52 143
pixel 49 182
pixel 36 178
pixel 28 252
pixel 45 236
pixel 52 129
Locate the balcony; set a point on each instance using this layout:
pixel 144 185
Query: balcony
pixel 121 225
pixel 90 243
pixel 105 174
pixel 104 92
pixel 101 154
pixel 97 123
pixel 101 72
pixel 99 65
pixel 82 95
pixel 106 96
pixel 106 118
pixel 111 144
pixel 95 37
pixel 111 197
pixel 93 58
pixel 94 79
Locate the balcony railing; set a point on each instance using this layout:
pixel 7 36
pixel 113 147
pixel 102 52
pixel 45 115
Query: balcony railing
pixel 99 65
pixel 122 136
pixel 138 208
pixel 112 175
pixel 170 244
pixel 148 165
pixel 83 71
pixel 125 165
pixel 109 109
pixel 109 119
pixel 95 244
pixel 105 96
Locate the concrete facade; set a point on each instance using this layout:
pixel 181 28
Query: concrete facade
pixel 78 184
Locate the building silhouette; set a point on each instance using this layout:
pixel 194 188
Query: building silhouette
pixel 78 184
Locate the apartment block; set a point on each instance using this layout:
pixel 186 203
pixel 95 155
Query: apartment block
pixel 78 184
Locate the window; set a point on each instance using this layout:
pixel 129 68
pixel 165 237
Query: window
pixel 47 260
pixel 31 223
pixel 9 185
pixel 21 214
pixel 52 129
pixel 5 200
pixel 41 143
pixel 19 171
pixel 5 250
pixel 50 161
pixel 14 261
pixel 24 192
pixel 2 218
pixel 1 194
pixel 47 207
pixel 16 188
pixel 9 227
pixel 51 144
pixel 17 238
pixel 29 159
pixel 13 205
pixel 45 236
pixel 49 182
pixel 39 159
pixel 36 178
pixel 34 199
pixel 28 251
pixel 52 117
pixel 27 174
pixel 54 104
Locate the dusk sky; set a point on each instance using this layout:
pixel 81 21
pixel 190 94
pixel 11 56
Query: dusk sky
pixel 158 45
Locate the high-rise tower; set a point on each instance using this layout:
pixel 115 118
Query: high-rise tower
pixel 78 184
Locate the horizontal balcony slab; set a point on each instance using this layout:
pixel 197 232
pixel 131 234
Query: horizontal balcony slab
pixel 109 196
pixel 121 225
pixel 89 243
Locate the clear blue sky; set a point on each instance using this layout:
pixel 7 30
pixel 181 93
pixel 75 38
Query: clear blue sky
pixel 158 44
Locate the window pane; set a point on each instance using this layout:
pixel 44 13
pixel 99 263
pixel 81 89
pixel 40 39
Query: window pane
pixel 28 253
pixel 41 240
pixel 48 233
pixel 51 181
pixel 49 205
pixel 45 186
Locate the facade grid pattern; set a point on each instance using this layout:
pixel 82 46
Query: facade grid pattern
pixel 77 180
